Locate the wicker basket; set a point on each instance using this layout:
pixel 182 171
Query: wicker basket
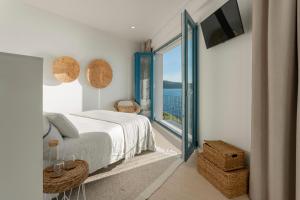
pixel 225 156
pixel 231 184
pixel 135 108
pixel 71 179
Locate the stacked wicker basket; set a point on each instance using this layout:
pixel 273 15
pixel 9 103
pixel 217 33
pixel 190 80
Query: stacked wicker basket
pixel 223 165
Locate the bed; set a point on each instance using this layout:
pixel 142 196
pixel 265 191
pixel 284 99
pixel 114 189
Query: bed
pixel 104 137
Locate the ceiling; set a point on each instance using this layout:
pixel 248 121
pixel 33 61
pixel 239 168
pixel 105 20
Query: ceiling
pixel 117 16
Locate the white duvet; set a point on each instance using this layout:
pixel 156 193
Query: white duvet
pixel 107 137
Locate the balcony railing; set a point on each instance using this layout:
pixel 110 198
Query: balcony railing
pixel 172 110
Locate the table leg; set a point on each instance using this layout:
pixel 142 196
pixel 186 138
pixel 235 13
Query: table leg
pixel 83 191
pixel 82 186
pixel 65 197
pixel 70 193
pixel 78 192
pixel 47 196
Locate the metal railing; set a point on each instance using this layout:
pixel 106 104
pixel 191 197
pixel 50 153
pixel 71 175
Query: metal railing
pixel 172 109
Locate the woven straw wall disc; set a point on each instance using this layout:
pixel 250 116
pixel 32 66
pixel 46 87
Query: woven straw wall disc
pixel 99 73
pixel 66 69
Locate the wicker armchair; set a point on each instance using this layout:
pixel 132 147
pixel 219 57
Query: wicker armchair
pixel 128 106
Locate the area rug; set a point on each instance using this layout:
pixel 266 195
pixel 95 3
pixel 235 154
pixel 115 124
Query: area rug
pixel 128 185
pixel 137 178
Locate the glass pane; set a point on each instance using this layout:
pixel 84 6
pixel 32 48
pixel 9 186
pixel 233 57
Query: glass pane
pixel 190 86
pixel 168 86
pixel 145 85
pixel 172 87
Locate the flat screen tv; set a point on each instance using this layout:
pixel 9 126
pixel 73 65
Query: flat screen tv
pixel 223 24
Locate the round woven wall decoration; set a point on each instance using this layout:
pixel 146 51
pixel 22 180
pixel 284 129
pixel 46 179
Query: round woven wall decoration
pixel 99 73
pixel 66 69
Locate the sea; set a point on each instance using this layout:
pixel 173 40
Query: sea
pixel 172 102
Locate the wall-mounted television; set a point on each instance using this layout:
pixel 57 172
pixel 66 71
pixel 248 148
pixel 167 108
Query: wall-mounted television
pixel 223 24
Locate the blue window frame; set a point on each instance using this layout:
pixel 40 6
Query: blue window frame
pixel 144 82
pixel 190 84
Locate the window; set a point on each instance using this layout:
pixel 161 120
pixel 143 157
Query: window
pixel 168 86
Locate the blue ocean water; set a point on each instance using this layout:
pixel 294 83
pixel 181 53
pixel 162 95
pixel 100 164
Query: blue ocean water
pixel 172 102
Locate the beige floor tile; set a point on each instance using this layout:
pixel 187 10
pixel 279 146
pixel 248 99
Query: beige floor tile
pixel 187 184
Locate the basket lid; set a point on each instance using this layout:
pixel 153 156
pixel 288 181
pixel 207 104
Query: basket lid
pixel 222 147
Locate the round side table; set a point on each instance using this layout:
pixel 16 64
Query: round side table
pixel 71 179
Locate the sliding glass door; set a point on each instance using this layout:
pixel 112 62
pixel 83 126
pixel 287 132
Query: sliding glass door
pixel 189 86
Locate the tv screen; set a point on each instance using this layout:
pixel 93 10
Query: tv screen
pixel 223 24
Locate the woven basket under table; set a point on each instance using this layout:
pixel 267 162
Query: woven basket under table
pixel 231 184
pixel 71 179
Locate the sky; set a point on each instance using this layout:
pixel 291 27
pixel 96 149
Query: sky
pixel 172 65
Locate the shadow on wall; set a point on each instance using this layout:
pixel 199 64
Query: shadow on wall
pixel 75 96
pixel 48 78
pixel 79 95
pixel 90 95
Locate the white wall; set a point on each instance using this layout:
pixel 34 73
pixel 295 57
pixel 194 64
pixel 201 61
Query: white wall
pixel 29 31
pixel 225 77
pixel 21 127
pixel 225 87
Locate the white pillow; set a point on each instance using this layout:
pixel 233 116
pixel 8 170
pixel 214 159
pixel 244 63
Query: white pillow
pixel 53 134
pixel 46 125
pixel 125 103
pixel 63 124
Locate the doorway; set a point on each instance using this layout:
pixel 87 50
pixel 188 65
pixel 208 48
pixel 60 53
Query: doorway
pixel 176 85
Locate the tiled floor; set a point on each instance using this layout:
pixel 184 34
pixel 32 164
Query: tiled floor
pixel 187 184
